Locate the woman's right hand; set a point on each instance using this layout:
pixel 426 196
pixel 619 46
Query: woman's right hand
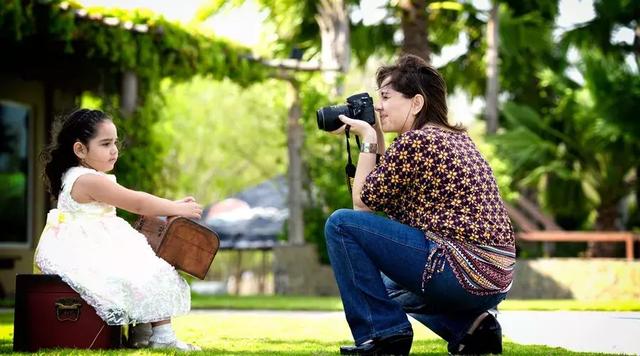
pixel 188 207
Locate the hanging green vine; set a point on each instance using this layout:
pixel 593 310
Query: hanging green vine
pixel 112 41
pixel 163 49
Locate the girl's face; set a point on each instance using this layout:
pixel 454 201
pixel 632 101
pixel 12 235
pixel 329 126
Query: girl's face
pixel 394 109
pixel 101 152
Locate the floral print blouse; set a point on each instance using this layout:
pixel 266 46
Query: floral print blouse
pixel 436 180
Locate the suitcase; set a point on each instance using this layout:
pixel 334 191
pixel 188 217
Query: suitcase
pixel 49 314
pixel 185 244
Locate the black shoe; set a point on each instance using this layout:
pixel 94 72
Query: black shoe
pixel 396 344
pixel 485 339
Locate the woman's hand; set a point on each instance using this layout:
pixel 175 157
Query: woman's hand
pixel 357 127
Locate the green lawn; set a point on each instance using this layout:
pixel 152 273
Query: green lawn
pixel 264 333
pixel 334 304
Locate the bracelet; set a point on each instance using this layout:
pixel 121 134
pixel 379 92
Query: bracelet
pixel 367 147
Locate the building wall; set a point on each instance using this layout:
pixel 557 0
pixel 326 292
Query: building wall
pixel 44 102
pixel 297 272
pixel 577 278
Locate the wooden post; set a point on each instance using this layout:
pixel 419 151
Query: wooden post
pixel 295 138
pixel 238 272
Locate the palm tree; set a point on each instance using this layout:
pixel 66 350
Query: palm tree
pixel 574 152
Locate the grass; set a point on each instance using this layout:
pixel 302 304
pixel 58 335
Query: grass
pixel 277 302
pixel 268 333
pixel 334 303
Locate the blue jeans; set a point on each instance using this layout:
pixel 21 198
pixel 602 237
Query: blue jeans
pixel 379 263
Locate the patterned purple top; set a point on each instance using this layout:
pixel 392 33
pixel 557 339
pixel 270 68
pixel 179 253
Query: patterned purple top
pixel 436 180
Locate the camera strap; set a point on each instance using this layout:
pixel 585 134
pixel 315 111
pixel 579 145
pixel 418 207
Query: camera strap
pixel 350 168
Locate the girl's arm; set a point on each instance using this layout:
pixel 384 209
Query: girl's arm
pixel 93 187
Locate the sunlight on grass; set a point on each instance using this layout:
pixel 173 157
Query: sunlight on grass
pixel 273 333
pixel 245 332
pixel 334 303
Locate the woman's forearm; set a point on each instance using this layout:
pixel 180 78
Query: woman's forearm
pixel 366 163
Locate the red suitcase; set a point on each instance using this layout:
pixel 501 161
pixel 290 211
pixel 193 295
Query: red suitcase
pixel 48 314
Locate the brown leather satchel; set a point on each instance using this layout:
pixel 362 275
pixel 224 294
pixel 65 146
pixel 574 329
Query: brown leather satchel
pixel 185 244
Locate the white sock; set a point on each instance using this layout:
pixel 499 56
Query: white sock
pixel 163 334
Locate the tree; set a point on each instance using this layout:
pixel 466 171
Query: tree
pixel 220 149
pixel 492 70
pixel 413 19
pixel 573 152
pixel 332 20
pixel 596 35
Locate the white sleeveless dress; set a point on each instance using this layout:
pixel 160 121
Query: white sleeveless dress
pixel 108 262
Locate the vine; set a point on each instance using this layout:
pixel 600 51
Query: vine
pixel 116 40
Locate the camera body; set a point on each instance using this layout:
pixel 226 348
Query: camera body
pixel 358 107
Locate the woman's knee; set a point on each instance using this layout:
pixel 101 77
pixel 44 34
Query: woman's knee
pixel 335 220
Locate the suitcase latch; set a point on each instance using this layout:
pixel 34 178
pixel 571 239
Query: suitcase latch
pixel 68 309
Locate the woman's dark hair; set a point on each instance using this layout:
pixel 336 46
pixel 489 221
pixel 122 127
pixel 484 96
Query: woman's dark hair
pixel 79 126
pixel 412 75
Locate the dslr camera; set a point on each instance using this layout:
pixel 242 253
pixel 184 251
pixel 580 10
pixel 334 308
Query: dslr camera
pixel 358 107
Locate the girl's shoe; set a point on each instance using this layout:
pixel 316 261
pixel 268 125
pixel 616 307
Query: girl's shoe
pixel 176 345
pixel 484 337
pixel 139 336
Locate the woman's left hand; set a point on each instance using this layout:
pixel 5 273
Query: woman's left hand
pixel 357 127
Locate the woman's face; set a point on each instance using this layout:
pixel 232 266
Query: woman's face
pixel 394 109
pixel 102 151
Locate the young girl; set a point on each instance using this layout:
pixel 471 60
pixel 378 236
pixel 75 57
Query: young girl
pixel 98 254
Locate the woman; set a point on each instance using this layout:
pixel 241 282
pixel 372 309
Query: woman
pixel 446 252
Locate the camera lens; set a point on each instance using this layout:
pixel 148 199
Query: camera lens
pixel 327 117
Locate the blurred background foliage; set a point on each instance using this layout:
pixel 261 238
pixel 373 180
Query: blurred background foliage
pixel 568 138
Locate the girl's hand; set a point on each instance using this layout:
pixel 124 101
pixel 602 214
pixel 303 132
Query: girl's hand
pixel 186 200
pixel 190 209
pixel 358 127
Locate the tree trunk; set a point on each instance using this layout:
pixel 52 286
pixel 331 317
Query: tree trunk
pixel 333 21
pixel 413 18
pixel 607 220
pixel 492 71
pixel 636 44
pixel 636 51
pixel 295 137
pixel 128 93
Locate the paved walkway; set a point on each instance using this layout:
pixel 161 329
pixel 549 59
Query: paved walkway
pixel 611 332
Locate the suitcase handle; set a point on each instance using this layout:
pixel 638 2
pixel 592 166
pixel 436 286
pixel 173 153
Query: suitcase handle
pixel 68 309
